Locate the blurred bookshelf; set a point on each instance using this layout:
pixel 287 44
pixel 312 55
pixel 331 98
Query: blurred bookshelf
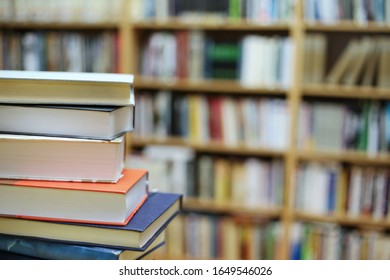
pixel 247 84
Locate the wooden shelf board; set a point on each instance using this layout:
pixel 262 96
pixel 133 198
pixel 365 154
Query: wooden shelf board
pixel 59 25
pixel 345 156
pixel 339 91
pixel 229 208
pixel 211 86
pixel 343 220
pixel 220 25
pixel 348 26
pixel 212 147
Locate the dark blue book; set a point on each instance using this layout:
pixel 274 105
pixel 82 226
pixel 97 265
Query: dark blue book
pixel 16 247
pixel 12 256
pixel 145 226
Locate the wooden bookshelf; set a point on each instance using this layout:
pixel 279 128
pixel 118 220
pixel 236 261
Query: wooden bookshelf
pixel 132 35
pixel 212 147
pixel 294 96
pixel 346 92
pixel 208 86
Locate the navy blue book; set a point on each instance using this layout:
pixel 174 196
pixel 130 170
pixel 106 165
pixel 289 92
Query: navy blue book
pixel 16 247
pixel 12 256
pixel 144 227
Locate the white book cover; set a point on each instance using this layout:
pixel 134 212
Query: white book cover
pixel 253 182
pixel 230 129
pixel 249 110
pixel 373 129
pixel 61 159
pixel 287 62
pixel 379 200
pixel 355 191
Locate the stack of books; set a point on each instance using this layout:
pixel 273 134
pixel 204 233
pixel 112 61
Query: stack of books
pixel 64 190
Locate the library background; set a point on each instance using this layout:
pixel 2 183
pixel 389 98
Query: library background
pixel 271 117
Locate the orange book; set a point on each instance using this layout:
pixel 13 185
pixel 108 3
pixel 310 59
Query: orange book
pixel 101 203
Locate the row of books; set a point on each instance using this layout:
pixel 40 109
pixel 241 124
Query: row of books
pixel 322 241
pixel 60 51
pixel 193 55
pixel 315 48
pixel 73 188
pixel 354 191
pixel 256 11
pixel 251 181
pixel 362 126
pixel 204 236
pixel 70 11
pixel 336 11
pixel 171 168
pixel 362 61
pixel 242 121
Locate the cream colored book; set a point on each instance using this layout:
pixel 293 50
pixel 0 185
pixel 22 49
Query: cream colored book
pixel 358 61
pixel 60 158
pixel 384 67
pixel 372 62
pixel 342 63
pixel 318 58
pixel 50 87
pixel 307 59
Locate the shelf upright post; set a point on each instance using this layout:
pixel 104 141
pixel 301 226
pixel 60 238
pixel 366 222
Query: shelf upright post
pixel 294 99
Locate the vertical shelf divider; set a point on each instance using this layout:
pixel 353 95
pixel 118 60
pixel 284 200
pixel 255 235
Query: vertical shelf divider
pixel 294 96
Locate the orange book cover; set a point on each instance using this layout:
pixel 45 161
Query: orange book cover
pixel 128 180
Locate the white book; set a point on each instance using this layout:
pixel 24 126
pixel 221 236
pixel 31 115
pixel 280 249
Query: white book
pixel 196 58
pixel 239 193
pixel 359 13
pixel 161 10
pixel 273 46
pixel 319 42
pixel 328 11
pixel 204 119
pixel 251 68
pixel 379 200
pixel 318 190
pixel 64 159
pixel 253 182
pixel 263 122
pixel 249 110
pixel 51 87
pixel 309 11
pixel 74 52
pixel 229 124
pixel 287 62
pixel 6 12
pixel 278 138
pixel 32 53
pixel 162 107
pixel 355 191
pixel 373 129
